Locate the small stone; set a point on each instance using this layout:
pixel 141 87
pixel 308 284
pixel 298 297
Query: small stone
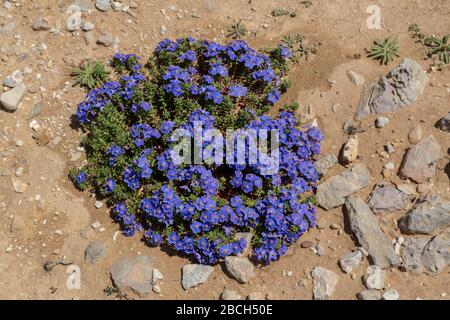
pixel 349 151
pixel 369 295
pixel 381 122
pixel 374 277
pixel 11 99
pixel 96 225
pixel 240 268
pixel 255 296
pixel 19 186
pixel 95 251
pixel 157 276
pixel 320 250
pixel 40 24
pixel 349 261
pixel 228 294
pixel 162 30
pixel 98 204
pixel 73 23
pixel 106 40
pixel 59 232
pixel 103 5
pixel 415 135
pixel 195 274
pixel 307 244
pixel 325 163
pixel 387 198
pixel 156 288
pixel 36 111
pixel 87 26
pixel 444 123
pixel 325 282
pixel 419 162
pixel 389 147
pixel 12 80
pixel 391 294
pixel 134 273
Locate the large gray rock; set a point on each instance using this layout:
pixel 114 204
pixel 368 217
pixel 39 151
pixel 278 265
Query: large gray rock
pixel 95 251
pixel 429 214
pixel 325 282
pixel 419 161
pixel 325 163
pixel 444 123
pixel 240 268
pixel 364 225
pixel 134 273
pixel 399 89
pixel 425 254
pixel 195 274
pixel 387 198
pixel 11 99
pixel 332 193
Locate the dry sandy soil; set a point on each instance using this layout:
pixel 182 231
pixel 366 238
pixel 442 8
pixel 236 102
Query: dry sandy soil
pixel 51 219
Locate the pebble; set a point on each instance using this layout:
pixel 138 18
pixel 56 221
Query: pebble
pixel 381 122
pixel 320 251
pixel 415 135
pixel 19 186
pixel 349 152
pixel 325 282
pixel 156 276
pixel 369 295
pixel 255 296
pixel 40 24
pixel 374 277
pixel 195 274
pixel 36 111
pixel 162 30
pixel 106 40
pixel 228 294
pixel 307 244
pixel 103 5
pixel 96 225
pixel 349 261
pixel 11 99
pixel 12 80
pixel 98 204
pixel 391 294
pixel 87 26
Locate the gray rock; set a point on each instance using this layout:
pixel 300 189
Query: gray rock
pixel 387 198
pixel 365 227
pixel 374 277
pixel 429 214
pixel 325 282
pixel 73 23
pixel 391 294
pixel 357 79
pixel 255 296
pixel 240 268
pixel 40 24
pixel 195 274
pixel 399 89
pixel 11 99
pixel 436 253
pixel 103 5
pixel 7 27
pixel 369 295
pixel 419 161
pixel 162 30
pixel 350 260
pixel 12 80
pixel 134 273
pixel 83 5
pixel 444 123
pixel 106 40
pixel 412 254
pixel 332 193
pixel 228 294
pixel 381 122
pixel 37 109
pixel 95 251
pixel 87 26
pixel 325 163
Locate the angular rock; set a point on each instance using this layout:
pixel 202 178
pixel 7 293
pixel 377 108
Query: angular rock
pixel 419 162
pixel 429 214
pixel 349 151
pixel 374 277
pixel 103 5
pixel 228 294
pixel 381 122
pixel 13 79
pixel 365 227
pixel 444 123
pixel 325 282
pixel 40 24
pixel 391 294
pixel 325 163
pixel 11 99
pixel 195 274
pixel 106 40
pixel 332 193
pixel 369 295
pixel 240 268
pixel 399 89
pixel 95 251
pixel 350 260
pixel 415 135
pixel 133 273
pixel 255 296
pixel 387 198
pixel 436 253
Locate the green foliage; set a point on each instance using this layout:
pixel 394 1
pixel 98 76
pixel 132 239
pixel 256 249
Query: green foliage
pixel 306 3
pixel 384 50
pixel 90 75
pixel 279 12
pixel 416 32
pixel 237 30
pixel 439 47
pixel 300 50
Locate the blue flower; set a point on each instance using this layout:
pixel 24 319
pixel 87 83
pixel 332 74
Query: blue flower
pixel 81 178
pixel 238 91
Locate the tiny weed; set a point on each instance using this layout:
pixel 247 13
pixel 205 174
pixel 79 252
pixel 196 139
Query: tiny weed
pixel 90 75
pixel 237 30
pixel 384 50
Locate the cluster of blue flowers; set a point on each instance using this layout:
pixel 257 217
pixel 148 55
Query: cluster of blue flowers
pixel 197 209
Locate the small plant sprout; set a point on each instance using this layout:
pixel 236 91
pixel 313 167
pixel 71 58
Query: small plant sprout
pixel 237 30
pixel 306 3
pixel 439 47
pixel 279 12
pixel 416 32
pixel 90 75
pixel 296 43
pixel 384 50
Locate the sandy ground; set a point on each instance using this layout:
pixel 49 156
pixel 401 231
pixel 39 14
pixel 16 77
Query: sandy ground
pixel 28 221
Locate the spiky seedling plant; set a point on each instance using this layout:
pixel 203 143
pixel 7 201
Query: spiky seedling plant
pixel 279 12
pixel 237 30
pixel 384 50
pixel 298 47
pixel 416 32
pixel 90 74
pixel 439 47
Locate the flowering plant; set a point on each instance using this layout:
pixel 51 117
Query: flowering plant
pixel 197 209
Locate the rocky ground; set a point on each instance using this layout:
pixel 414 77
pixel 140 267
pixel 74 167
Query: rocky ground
pixel 383 230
